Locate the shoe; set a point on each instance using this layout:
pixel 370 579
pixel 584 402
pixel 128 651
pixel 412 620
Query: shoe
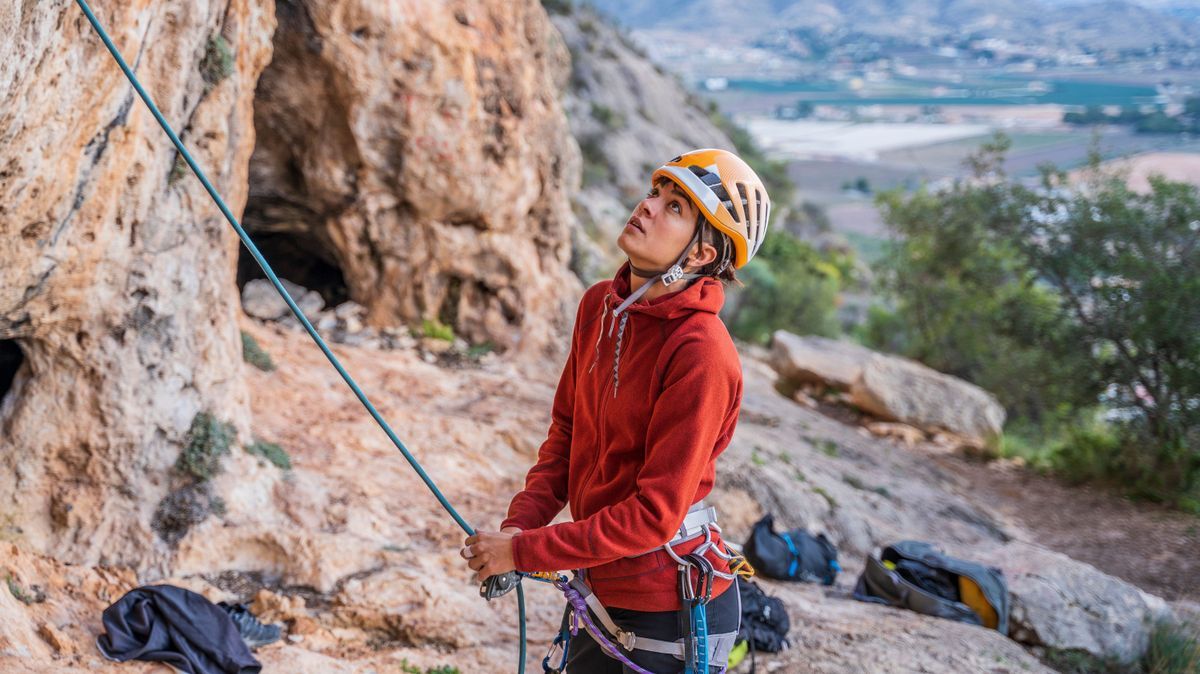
pixel 253 632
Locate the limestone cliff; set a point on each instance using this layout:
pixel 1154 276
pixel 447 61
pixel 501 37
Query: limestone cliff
pixel 117 295
pixel 419 150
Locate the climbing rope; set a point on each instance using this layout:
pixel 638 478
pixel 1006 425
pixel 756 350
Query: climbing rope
pixel 362 397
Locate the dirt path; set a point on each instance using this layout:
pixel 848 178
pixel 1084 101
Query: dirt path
pixel 1151 546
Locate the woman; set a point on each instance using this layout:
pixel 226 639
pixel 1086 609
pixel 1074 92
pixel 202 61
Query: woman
pixel 648 399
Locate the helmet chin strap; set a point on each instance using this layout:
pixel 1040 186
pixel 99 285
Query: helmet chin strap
pixel 668 276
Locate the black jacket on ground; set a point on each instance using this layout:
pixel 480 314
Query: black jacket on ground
pixel 163 623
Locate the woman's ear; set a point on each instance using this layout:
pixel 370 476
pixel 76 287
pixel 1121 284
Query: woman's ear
pixel 702 254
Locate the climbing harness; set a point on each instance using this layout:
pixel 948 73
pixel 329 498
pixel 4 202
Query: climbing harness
pixel 697 649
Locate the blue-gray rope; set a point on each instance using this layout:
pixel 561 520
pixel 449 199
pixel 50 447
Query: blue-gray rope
pixel 362 397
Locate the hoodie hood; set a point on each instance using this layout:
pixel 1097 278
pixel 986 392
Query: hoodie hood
pixel 705 294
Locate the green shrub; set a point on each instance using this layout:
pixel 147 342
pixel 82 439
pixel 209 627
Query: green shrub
pixel 789 286
pixel 596 170
pixel 218 60
pixel 253 353
pixel 434 329
pixel 414 669
pixel 271 452
pixel 207 440
pixel 1056 299
pixel 833 504
pixel 561 7
pixel 1174 648
pixel 610 119
pixel 179 169
pixel 27 597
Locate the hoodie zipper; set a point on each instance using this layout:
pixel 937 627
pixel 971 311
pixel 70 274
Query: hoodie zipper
pixel 600 419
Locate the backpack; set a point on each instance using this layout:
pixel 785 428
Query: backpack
pixel 919 577
pixel 764 626
pixel 792 555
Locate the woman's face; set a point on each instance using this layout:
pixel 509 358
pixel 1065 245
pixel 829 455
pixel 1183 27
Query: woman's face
pixel 661 225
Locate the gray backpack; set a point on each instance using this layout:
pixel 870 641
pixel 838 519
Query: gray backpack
pixel 919 577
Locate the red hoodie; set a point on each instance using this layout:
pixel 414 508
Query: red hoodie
pixel 641 413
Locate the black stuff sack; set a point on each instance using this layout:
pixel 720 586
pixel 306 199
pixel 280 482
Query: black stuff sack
pixel 765 621
pixel 791 555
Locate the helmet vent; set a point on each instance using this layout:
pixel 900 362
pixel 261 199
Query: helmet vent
pixel 745 201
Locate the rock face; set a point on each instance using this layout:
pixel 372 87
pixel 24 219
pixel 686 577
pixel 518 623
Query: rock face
pixel 629 116
pixel 817 360
pixel 903 390
pixel 116 280
pixel 420 149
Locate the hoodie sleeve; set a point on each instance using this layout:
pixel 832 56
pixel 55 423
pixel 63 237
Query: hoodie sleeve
pixel 692 422
pixel 545 492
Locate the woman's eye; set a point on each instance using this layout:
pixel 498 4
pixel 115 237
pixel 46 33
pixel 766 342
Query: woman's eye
pixel 675 205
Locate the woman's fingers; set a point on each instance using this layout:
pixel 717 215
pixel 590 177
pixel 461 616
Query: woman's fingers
pixel 487 571
pixel 479 561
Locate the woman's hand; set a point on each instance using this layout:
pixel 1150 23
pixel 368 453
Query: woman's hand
pixel 489 553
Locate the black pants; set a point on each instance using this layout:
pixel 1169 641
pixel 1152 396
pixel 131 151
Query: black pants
pixel 586 657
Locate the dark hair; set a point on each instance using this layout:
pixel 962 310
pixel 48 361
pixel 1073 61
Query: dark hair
pixel 722 267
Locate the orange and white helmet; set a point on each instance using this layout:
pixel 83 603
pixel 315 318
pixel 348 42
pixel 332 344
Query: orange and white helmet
pixel 728 193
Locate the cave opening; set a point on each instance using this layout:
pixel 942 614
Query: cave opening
pixel 299 257
pixel 11 358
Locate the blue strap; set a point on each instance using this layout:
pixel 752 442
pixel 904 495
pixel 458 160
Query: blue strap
pixel 795 554
pixel 700 629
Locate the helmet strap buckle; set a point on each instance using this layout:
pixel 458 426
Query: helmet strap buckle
pixel 672 275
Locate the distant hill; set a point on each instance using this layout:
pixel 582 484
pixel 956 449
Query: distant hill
pixel 1094 24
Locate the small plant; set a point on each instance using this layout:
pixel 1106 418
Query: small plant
pixel 218 61
pixel 825 495
pixel 757 458
pixel 854 482
pixel 799 476
pixel 271 452
pixel 254 354
pixel 477 351
pixel 21 594
pixel 414 669
pixel 180 510
pixel 561 7
pixel 609 118
pixel 208 440
pixel 1174 648
pixel 828 447
pixel 435 329
pixel 179 169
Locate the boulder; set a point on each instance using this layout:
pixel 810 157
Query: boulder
pixel 816 360
pixel 1064 605
pixel 902 390
pixel 261 300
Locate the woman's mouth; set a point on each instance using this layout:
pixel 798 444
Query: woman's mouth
pixel 633 222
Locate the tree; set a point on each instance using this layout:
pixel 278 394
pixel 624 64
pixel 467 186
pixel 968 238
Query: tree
pixel 790 286
pixel 1127 267
pixel 966 302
